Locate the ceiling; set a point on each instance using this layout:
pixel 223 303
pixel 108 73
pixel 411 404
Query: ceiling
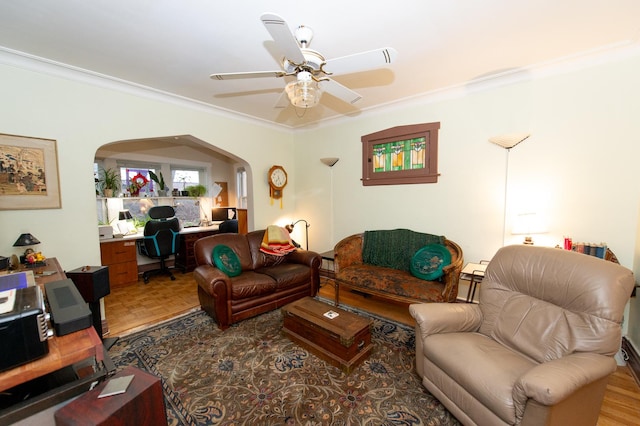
pixel 173 46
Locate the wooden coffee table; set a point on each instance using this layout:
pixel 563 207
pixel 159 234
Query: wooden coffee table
pixel 343 341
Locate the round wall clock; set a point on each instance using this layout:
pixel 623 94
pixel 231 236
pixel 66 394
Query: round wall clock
pixel 277 177
pixel 277 181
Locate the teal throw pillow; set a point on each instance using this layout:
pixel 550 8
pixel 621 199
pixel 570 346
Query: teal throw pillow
pixel 427 263
pixel 226 260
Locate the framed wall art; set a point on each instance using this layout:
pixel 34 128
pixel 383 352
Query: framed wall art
pixel 401 155
pixel 28 173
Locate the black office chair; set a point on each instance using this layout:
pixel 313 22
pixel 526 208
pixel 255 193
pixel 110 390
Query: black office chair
pixel 160 239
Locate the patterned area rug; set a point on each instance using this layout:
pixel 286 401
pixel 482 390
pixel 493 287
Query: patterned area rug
pixel 251 374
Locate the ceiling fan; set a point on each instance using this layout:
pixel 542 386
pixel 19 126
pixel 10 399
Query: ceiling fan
pixel 310 68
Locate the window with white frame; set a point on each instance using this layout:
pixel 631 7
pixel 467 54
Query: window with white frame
pixel 241 187
pixel 182 177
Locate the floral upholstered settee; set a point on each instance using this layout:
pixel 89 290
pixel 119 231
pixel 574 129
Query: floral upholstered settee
pixel 379 263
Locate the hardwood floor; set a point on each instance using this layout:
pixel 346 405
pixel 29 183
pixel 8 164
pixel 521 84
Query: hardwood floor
pixel 128 309
pixel 132 308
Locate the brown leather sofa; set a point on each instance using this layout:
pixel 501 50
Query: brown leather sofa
pixel 394 284
pixel 538 348
pixel 266 283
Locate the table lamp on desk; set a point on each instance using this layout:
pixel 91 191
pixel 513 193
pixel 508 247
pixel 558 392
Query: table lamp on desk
pixel 27 240
pixel 125 225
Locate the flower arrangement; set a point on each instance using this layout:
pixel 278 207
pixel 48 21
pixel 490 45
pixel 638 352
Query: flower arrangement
pixel 137 183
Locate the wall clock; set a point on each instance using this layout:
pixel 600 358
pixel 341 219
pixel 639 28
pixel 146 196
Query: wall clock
pixel 277 181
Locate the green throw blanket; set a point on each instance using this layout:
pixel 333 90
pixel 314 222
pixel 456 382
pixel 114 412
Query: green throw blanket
pixel 394 248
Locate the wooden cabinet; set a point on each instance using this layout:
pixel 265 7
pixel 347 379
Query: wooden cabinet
pixel 120 257
pixel 185 258
pixel 142 404
pixel 243 227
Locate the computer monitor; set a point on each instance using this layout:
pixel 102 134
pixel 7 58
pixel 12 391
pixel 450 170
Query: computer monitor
pixel 223 213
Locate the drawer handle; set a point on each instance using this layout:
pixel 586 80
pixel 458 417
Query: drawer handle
pixel 360 345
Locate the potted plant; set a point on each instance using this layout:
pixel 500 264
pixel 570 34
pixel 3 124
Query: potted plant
pixel 196 190
pixel 109 181
pixel 162 189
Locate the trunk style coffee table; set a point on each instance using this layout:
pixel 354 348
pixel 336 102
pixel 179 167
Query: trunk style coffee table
pixel 342 340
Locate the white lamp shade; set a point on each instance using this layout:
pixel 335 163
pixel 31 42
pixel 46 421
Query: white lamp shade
pixel 528 224
pixel 510 140
pixel 330 161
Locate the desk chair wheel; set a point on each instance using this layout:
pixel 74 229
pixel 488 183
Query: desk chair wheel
pixel 164 270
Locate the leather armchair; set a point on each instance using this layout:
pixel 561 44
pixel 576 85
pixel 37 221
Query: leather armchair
pixel 538 348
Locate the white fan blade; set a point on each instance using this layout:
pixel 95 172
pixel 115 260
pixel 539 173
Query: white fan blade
pixel 361 61
pixel 339 91
pixel 238 75
pixel 283 37
pixel 283 100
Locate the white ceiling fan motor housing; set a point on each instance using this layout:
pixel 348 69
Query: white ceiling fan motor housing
pixel 312 61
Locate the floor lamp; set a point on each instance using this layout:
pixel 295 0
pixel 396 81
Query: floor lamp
pixel 330 162
pixel 507 142
pixel 306 228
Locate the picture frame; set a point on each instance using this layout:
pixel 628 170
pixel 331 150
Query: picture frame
pixel 401 155
pixel 29 176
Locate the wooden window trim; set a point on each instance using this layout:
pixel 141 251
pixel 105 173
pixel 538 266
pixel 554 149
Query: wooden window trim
pixel 426 174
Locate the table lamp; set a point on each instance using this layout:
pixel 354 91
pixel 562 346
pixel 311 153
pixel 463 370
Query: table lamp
pixel 528 224
pixel 126 226
pixel 26 240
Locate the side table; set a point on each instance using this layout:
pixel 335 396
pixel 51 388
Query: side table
pixel 474 273
pixel 327 268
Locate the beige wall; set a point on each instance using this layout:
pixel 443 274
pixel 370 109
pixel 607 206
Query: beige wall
pixel 83 117
pixel 578 167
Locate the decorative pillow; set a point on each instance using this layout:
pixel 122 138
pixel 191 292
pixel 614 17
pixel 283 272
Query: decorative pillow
pixel 427 263
pixel 226 260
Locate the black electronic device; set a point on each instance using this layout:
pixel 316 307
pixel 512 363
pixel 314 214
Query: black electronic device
pixel 69 312
pixel 93 284
pixel 219 214
pixel 4 263
pixel 23 327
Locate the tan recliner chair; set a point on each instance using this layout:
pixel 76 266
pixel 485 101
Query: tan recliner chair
pixel 537 350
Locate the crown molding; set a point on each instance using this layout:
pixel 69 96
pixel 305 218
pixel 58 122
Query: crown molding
pixel 41 65
pixel 572 63
pixel 607 54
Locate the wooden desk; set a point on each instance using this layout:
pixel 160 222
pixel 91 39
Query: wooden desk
pixel 63 350
pixel 120 254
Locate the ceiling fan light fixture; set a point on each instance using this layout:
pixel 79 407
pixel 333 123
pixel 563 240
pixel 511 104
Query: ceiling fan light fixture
pixel 305 92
